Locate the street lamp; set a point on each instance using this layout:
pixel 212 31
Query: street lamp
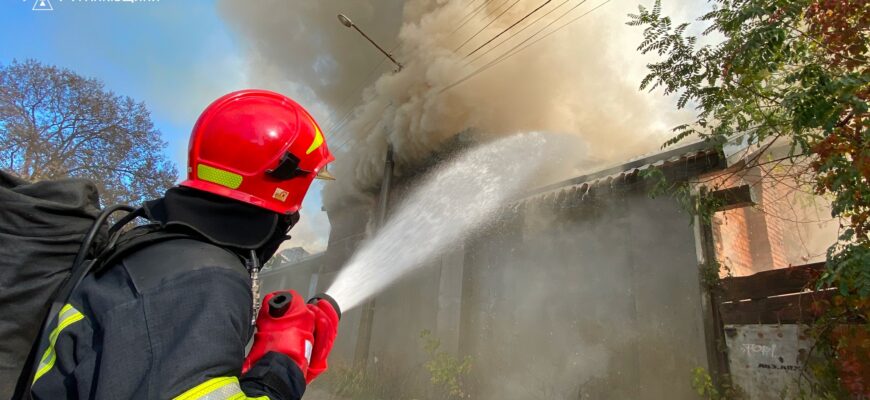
pixel 345 20
pixel 364 333
pixel 388 162
pixel 348 23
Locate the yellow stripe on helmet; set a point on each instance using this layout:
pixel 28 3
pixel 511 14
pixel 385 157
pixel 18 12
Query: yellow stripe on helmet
pixel 318 137
pixel 219 176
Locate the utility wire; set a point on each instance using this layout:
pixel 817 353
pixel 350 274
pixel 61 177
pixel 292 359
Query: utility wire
pixel 339 124
pixel 489 50
pixel 350 137
pixel 512 51
pixel 470 16
pixel 468 4
pixel 510 27
pixel 333 124
pixel 367 129
pixel 347 135
pixel 344 137
pixel 488 24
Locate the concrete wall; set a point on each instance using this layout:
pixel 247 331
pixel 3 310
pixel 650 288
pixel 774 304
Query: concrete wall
pixel 297 276
pixel 596 298
pixel 579 294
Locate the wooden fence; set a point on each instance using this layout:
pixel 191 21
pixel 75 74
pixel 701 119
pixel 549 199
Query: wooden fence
pixel 779 296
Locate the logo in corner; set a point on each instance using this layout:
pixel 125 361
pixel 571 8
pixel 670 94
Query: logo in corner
pixel 42 5
pixel 280 194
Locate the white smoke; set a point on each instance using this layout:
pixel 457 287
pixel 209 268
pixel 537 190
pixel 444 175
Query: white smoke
pixel 310 233
pixel 581 80
pixel 454 201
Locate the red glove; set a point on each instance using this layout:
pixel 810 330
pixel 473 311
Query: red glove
pixel 325 329
pixel 291 334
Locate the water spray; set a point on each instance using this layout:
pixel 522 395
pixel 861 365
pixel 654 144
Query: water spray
pixel 454 201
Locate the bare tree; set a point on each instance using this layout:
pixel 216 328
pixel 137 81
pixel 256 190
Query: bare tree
pixel 56 124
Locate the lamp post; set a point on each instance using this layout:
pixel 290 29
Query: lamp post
pixel 348 23
pixel 364 334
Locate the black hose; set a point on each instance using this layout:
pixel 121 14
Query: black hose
pixel 78 272
pixel 95 228
pixel 115 230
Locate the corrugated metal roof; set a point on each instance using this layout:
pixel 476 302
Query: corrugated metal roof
pixel 703 153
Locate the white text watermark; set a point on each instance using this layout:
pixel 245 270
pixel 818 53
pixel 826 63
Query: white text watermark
pixel 48 5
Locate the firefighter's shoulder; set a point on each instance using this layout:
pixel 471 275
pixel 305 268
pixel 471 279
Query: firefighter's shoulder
pixel 158 263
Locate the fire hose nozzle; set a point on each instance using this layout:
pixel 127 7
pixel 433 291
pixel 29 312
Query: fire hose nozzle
pixel 279 304
pixel 328 299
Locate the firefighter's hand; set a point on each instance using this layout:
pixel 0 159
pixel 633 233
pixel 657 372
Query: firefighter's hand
pixel 325 329
pixel 291 334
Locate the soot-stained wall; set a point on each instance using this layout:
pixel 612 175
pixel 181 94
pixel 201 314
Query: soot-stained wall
pixel 585 292
pixel 574 298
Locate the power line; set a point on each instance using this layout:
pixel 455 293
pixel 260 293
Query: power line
pixel 336 127
pixel 511 52
pixel 346 117
pixel 347 120
pixel 488 24
pixel 468 5
pixel 470 16
pixel 342 122
pixel 593 9
pixel 490 64
pixel 481 55
pixel 510 27
pixel 338 135
pixel 368 127
pixel 365 80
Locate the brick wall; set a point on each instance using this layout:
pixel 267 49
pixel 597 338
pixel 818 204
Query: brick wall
pixel 732 245
pixel 773 196
pixel 750 239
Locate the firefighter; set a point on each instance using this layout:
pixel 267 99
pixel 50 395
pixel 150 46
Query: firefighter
pixel 171 316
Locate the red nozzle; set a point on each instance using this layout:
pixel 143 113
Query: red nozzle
pixel 328 299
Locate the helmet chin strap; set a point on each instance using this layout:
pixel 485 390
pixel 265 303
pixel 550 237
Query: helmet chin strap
pixel 254 270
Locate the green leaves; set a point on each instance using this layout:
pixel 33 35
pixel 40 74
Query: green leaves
pixel 446 371
pixel 779 72
pixel 791 69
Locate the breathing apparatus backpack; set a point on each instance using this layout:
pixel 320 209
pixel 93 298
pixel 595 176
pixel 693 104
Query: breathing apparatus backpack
pixel 52 234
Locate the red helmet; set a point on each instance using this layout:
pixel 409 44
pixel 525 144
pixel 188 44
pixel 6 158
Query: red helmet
pixel 258 147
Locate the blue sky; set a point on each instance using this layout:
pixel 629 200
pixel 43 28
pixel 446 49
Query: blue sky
pixel 175 55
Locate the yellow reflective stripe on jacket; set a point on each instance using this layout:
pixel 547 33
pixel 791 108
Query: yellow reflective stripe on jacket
pixel 225 388
pixel 67 316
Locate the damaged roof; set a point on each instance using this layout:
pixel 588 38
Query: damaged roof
pixel 678 164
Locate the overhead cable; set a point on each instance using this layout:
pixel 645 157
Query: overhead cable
pixel 488 24
pixel 516 49
pixel 510 27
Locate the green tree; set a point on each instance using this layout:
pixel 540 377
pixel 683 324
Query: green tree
pixel 782 70
pixel 56 124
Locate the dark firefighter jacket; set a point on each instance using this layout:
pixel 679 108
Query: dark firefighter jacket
pixel 170 321
pixel 177 332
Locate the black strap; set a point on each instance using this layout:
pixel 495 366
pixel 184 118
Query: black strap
pixel 78 271
pixel 135 240
pixel 119 246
